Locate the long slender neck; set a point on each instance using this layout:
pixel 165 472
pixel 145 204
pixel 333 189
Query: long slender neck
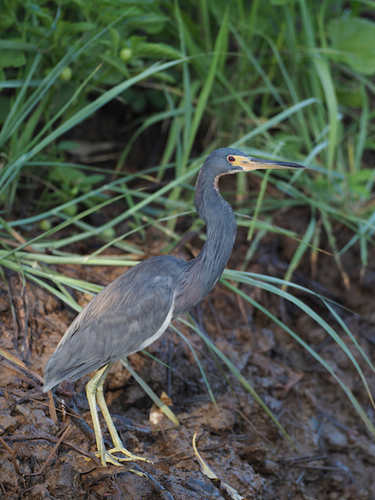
pixel 203 272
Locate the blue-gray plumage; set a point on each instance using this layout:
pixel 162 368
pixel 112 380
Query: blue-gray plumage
pixel 136 308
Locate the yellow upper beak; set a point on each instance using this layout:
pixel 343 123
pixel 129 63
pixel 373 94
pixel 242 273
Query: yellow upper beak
pixel 250 163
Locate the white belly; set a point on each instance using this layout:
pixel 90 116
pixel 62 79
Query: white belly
pixel 161 330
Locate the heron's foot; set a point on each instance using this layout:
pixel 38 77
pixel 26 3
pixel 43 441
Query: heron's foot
pixel 106 458
pixel 109 457
pixel 129 457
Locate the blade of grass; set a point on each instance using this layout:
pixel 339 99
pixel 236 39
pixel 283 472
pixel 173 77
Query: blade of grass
pixel 275 120
pixel 301 249
pixel 239 377
pixel 263 187
pixel 60 226
pixel 311 351
pixel 163 407
pixel 197 361
pixel 13 168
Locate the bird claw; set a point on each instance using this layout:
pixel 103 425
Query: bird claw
pixel 106 459
pixel 114 460
pixel 129 456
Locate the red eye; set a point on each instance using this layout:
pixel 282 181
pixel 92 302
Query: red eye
pixel 231 158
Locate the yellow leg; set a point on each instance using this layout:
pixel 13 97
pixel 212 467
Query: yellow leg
pixel 118 444
pixel 94 391
pixel 91 389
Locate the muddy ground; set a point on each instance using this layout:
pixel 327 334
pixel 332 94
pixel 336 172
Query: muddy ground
pixel 334 454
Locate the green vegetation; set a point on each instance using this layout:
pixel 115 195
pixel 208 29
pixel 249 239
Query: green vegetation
pixel 282 79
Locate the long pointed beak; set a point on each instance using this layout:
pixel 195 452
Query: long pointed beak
pixel 251 163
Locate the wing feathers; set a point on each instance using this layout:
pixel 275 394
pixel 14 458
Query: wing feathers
pixel 118 321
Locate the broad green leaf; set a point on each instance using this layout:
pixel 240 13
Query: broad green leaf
pixel 353 38
pixel 12 59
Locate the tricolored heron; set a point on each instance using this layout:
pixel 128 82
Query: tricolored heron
pixel 136 308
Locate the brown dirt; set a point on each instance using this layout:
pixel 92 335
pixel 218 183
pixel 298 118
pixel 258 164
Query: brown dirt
pixel 334 456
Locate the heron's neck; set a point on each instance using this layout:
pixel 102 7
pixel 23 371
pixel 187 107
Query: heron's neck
pixel 203 272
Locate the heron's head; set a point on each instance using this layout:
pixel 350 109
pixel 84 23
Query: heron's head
pixel 230 161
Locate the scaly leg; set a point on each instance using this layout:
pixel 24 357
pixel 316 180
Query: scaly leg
pixel 118 444
pixel 91 390
pixel 94 390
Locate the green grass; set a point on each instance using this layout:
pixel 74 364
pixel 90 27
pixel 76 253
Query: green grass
pixel 277 81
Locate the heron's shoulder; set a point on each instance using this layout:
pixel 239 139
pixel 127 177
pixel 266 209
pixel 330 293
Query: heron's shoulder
pixel 162 271
pixel 163 262
pixel 161 265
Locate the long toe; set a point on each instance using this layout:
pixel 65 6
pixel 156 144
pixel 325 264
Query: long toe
pixel 106 458
pixel 129 457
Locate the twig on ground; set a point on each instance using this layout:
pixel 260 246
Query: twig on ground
pixel 64 434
